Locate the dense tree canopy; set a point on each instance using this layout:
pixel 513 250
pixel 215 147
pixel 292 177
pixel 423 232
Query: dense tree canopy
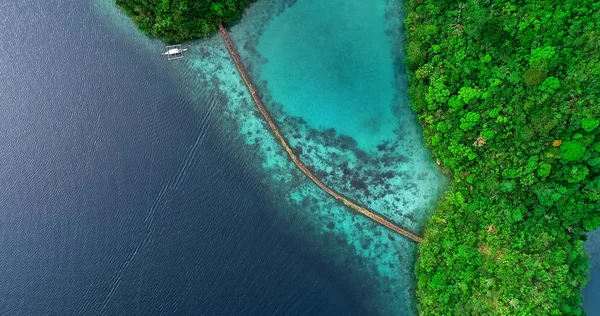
pixel 508 93
pixel 179 20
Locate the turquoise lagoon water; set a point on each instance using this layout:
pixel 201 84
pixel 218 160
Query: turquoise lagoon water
pixel 330 62
pixel 336 86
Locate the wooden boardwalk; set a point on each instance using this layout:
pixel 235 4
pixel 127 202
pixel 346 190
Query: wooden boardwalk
pixel 261 107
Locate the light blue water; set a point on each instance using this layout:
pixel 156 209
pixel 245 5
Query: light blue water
pixel 330 62
pixel 372 153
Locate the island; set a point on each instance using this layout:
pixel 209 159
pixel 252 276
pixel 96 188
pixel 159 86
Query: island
pixel 509 99
pixel 175 21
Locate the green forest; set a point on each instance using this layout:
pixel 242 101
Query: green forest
pixel 175 21
pixel 508 93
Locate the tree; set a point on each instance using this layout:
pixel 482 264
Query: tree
pixel 550 85
pixel 572 151
pixel 525 76
pixel 175 21
pixel 533 77
pixel 589 123
pixel 469 121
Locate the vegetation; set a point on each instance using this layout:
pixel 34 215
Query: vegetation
pixel 508 93
pixel 179 20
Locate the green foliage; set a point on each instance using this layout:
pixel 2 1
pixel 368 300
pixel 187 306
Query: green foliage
pixel 414 54
pixel 541 56
pixel 572 151
pixel 469 121
pixel 456 102
pixel 517 215
pixel 533 77
pixel 508 94
pixel 594 162
pixel 589 123
pixel 467 94
pixel 578 174
pixel 544 170
pixel 488 134
pixel 437 94
pixel 175 21
pixel 550 85
pixel 424 72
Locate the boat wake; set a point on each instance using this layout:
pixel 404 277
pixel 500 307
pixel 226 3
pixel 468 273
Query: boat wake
pixel 158 204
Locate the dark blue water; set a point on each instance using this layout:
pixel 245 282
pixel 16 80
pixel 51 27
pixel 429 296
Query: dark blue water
pixel 118 199
pixel 591 293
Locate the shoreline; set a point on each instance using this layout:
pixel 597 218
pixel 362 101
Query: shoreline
pixel 373 251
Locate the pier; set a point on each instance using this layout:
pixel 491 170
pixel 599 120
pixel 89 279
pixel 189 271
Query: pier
pixel 275 130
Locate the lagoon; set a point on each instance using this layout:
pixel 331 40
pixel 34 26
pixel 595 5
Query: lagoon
pixel 391 172
pixel 137 186
pixel 331 63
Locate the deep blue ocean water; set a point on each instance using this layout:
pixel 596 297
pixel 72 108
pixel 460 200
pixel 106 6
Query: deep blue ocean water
pixel 119 199
pixel 591 293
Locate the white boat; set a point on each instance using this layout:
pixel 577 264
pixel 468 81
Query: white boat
pixel 174 51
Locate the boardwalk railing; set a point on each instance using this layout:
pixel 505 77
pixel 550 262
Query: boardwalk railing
pixel 263 110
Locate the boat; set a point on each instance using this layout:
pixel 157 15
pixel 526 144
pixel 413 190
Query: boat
pixel 174 52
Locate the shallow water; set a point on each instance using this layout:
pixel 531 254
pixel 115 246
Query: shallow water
pixel 330 62
pixel 389 171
